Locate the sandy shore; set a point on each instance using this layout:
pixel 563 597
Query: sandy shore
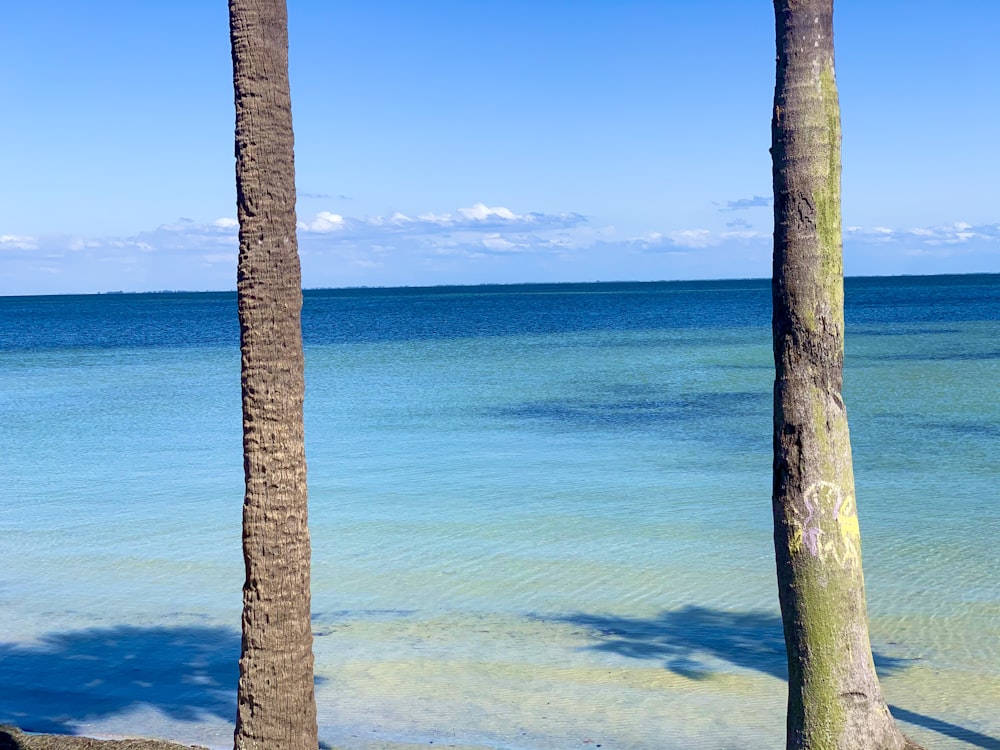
pixel 12 738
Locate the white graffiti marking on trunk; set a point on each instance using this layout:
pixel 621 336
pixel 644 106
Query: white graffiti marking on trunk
pixel 826 525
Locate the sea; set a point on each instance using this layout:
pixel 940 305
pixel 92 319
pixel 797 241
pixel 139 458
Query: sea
pixel 540 514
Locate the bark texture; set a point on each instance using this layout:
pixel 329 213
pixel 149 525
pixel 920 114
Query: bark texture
pixel 834 697
pixel 276 705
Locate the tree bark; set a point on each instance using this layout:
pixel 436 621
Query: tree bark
pixel 276 704
pixel 834 697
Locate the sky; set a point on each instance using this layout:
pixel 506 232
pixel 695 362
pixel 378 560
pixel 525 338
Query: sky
pixel 444 142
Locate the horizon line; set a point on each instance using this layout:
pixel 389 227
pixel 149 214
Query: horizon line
pixel 475 285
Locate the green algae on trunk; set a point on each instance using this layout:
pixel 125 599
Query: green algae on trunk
pixel 834 697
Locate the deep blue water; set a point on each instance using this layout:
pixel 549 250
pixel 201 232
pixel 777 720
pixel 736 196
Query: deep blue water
pixel 333 316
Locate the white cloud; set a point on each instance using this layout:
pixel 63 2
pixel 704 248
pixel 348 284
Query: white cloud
pixel 471 225
pixel 958 232
pixel 693 238
pixel 18 242
pixel 698 239
pixel 466 245
pixel 498 243
pixel 324 221
pixel 78 244
pixel 482 212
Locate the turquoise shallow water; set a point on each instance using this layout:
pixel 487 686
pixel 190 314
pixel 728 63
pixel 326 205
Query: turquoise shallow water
pixel 540 514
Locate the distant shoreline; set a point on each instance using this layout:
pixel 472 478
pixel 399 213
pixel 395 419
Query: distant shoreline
pixel 505 286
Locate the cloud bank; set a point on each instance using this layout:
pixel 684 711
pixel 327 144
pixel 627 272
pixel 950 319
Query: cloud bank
pixel 474 244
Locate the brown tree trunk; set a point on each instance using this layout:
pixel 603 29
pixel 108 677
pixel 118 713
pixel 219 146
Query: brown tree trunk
pixel 276 704
pixel 834 697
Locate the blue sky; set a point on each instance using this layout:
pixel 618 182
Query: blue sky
pixel 453 142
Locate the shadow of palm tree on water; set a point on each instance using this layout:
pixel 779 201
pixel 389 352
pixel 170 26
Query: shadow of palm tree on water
pixel 188 673
pixel 696 641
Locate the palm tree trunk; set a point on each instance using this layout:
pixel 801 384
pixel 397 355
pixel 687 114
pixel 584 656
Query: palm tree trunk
pixel 834 697
pixel 276 705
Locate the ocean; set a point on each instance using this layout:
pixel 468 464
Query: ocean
pixel 540 514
